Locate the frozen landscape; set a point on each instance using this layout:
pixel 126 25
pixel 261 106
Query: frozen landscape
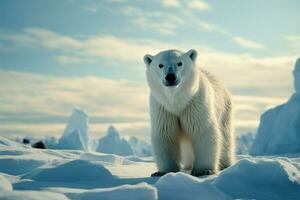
pixel 75 167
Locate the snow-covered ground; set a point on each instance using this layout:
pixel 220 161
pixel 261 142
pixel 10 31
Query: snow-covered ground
pixel 28 173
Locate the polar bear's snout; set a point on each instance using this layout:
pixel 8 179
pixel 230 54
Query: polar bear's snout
pixel 171 80
pixel 171 77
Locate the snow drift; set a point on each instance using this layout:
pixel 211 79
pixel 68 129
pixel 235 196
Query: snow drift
pixel 279 129
pixel 4 184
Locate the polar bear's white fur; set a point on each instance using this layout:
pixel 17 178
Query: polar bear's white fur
pixel 188 104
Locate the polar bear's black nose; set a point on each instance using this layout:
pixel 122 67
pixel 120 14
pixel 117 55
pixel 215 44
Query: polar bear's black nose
pixel 171 78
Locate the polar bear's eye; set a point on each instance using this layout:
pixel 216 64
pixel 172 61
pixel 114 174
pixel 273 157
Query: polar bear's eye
pixel 160 65
pixel 179 64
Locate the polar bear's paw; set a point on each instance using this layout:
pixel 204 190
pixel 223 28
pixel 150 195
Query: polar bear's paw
pixel 201 172
pixel 156 174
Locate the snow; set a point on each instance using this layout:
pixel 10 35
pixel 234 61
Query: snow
pixel 125 192
pixel 113 143
pixel 74 170
pixel 31 195
pixel 4 184
pixel 279 129
pixel 183 186
pixel 80 175
pixel 76 134
pixel 261 178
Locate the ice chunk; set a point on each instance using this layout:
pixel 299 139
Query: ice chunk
pixel 279 128
pixel 76 134
pixel 140 147
pixel 296 74
pixel 244 142
pixel 113 144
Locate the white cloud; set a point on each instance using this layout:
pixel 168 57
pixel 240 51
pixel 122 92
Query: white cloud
pixel 37 104
pixel 45 94
pixel 67 60
pixel 124 103
pixel 90 8
pixel 294 41
pixel 210 27
pixel 198 5
pixel 171 3
pixel 250 44
pixel 84 49
pixel 154 21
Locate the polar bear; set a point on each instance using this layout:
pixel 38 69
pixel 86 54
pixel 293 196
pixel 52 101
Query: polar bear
pixel 188 104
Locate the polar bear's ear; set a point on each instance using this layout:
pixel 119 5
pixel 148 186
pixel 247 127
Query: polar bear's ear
pixel 192 54
pixel 148 59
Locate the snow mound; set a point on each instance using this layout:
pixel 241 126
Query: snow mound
pixel 124 192
pixel 4 184
pixel 140 147
pixel 6 142
pixel 279 129
pixel 107 158
pixel 183 186
pixel 261 179
pixel 31 195
pixel 76 134
pixel 72 171
pixel 16 165
pixel 113 144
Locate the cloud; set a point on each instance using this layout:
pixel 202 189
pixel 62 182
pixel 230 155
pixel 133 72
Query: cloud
pixel 31 103
pixel 31 37
pixel 155 21
pixel 198 5
pixel 183 5
pixel 294 41
pixel 250 44
pixel 83 49
pixel 171 3
pixel 63 59
pixel 31 100
pixel 210 27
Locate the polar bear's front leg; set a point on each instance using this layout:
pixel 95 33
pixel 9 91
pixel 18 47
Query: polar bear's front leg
pixel 206 144
pixel 166 152
pixel 164 138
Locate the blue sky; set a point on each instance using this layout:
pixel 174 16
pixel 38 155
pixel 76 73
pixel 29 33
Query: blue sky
pixel 63 53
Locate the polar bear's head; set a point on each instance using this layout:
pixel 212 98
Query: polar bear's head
pixel 171 72
pixel 170 67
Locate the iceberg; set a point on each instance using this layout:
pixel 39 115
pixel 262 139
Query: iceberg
pixel 112 143
pixel 76 134
pixel 279 129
